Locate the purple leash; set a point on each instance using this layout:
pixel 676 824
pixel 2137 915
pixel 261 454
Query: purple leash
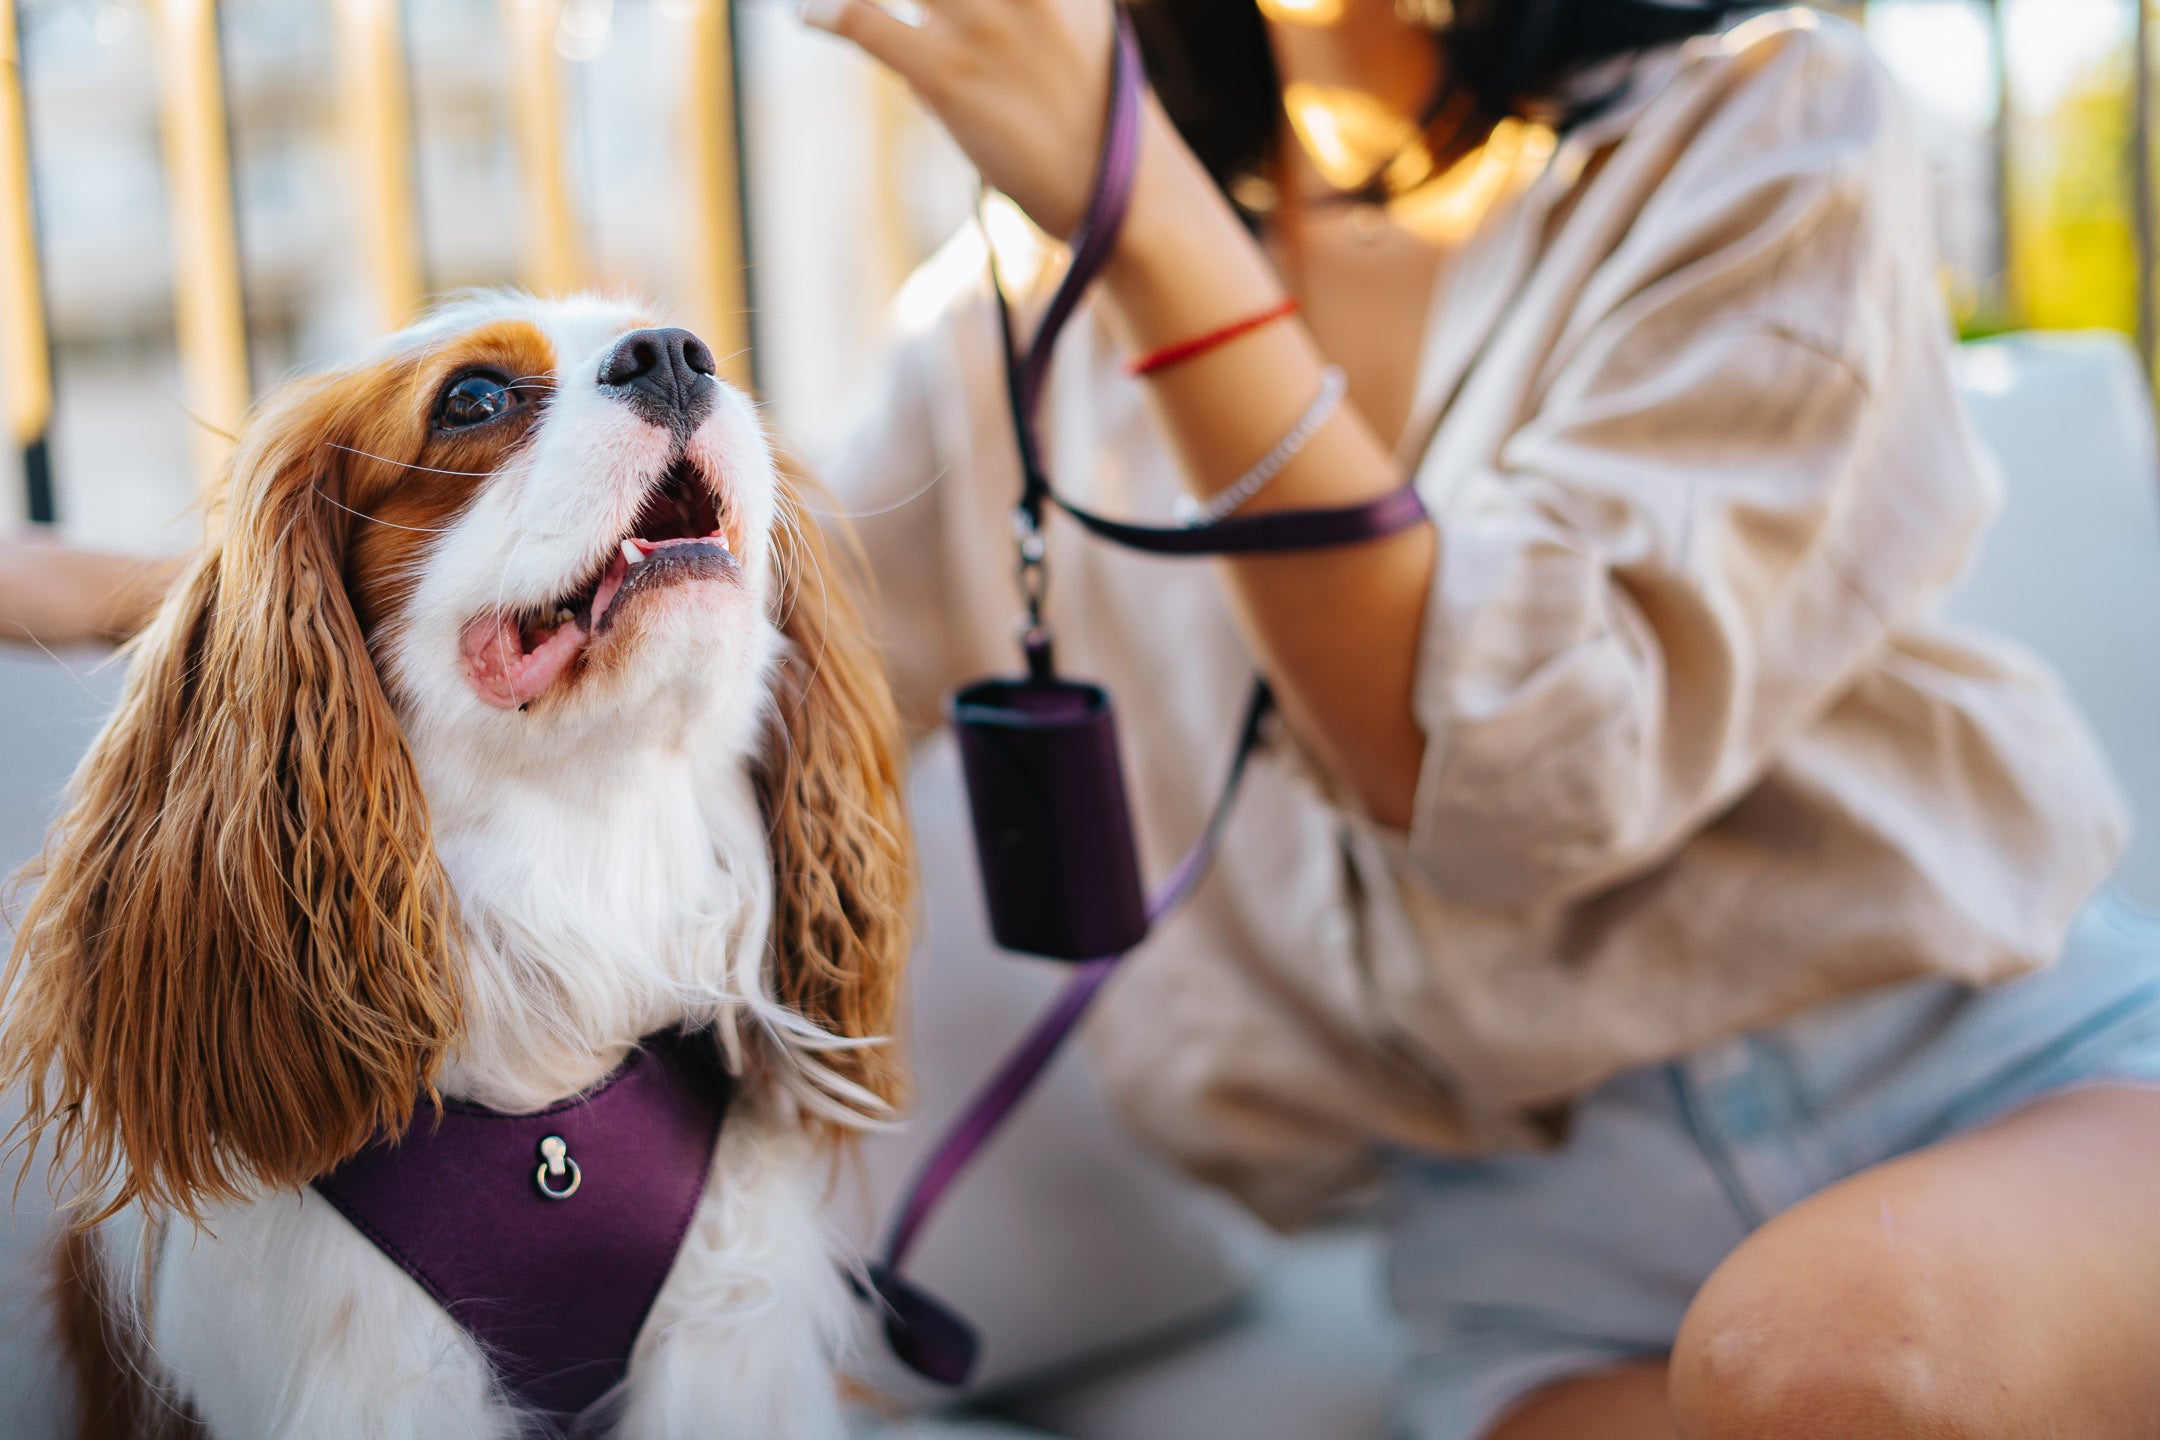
pixel 925 1333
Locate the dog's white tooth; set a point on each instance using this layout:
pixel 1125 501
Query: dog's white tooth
pixel 630 552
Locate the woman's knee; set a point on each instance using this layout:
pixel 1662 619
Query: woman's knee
pixel 1783 1344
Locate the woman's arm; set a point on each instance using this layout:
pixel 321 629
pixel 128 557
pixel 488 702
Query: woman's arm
pixel 1335 630
pixel 1022 84
pixel 55 594
pixel 1744 471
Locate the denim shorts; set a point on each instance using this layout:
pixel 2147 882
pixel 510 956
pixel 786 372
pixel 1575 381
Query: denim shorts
pixel 1515 1271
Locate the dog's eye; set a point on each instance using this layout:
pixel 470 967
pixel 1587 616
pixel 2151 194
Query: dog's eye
pixel 474 400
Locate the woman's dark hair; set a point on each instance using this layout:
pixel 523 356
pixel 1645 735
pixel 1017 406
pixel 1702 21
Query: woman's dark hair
pixel 1209 60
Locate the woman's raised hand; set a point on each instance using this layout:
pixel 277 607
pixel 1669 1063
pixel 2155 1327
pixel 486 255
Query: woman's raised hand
pixel 1022 85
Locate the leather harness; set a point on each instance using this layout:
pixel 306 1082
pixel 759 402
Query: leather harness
pixel 548 1236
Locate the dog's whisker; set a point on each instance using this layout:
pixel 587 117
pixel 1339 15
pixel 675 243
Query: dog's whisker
pixel 876 510
pixel 407 464
pixel 378 520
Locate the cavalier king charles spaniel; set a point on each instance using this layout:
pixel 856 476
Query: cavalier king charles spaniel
pixel 514 723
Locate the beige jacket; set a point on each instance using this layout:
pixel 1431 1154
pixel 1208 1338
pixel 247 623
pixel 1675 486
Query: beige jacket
pixel 1699 754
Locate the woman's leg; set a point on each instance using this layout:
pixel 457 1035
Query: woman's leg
pixel 1624 1404
pixel 2005 1283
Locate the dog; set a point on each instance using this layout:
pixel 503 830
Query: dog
pixel 514 712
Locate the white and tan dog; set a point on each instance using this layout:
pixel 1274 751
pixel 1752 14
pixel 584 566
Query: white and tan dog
pixel 512 712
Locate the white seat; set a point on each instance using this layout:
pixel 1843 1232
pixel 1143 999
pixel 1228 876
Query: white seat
pixel 1309 1355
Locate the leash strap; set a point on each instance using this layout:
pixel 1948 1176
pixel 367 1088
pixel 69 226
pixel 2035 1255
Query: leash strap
pixel 928 1335
pixel 925 1333
pixel 1027 1060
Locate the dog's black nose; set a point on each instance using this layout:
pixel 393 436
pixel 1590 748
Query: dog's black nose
pixel 665 375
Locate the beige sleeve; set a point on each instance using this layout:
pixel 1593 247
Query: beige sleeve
pixel 1745 470
pixel 888 476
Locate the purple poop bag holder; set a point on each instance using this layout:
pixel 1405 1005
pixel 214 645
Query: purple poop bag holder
pixel 1039 756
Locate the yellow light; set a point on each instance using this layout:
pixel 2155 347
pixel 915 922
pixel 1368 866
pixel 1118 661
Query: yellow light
pixel 718 302
pixel 208 318
pixel 22 304
pixel 378 136
pixel 1348 133
pixel 1446 210
pixel 553 261
pixel 1315 13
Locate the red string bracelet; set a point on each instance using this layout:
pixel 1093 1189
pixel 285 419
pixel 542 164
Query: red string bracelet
pixel 1185 350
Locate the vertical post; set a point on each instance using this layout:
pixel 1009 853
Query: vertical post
pixel 209 315
pixel 2006 298
pixel 25 346
pixel 2141 183
pixel 552 262
pixel 718 305
pixel 377 104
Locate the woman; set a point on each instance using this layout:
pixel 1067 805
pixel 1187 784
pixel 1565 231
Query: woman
pixel 1642 884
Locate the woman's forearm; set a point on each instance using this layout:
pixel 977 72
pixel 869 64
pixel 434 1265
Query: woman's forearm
pixel 1336 630
pixel 54 594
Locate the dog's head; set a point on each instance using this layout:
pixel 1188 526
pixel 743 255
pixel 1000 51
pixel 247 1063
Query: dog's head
pixel 521 540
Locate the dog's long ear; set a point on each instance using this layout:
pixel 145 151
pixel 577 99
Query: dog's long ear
pixel 237 965
pixel 834 804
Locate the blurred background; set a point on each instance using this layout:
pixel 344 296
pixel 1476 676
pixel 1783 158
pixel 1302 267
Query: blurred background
pixel 200 196
pixel 318 166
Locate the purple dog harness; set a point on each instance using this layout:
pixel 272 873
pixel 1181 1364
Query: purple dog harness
pixel 548 1236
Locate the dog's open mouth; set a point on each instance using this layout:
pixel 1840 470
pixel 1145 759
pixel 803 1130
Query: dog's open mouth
pixel 679 534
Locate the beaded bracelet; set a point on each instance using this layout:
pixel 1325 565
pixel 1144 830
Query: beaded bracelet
pixel 1227 501
pixel 1185 350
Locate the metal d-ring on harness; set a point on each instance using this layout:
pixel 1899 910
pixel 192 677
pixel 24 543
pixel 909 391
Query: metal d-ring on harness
pixel 1045 790
pixel 558 1176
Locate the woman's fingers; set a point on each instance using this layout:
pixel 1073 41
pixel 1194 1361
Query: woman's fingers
pixel 884 37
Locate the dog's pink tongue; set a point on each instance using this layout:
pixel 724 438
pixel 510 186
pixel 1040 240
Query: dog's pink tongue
pixel 506 675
